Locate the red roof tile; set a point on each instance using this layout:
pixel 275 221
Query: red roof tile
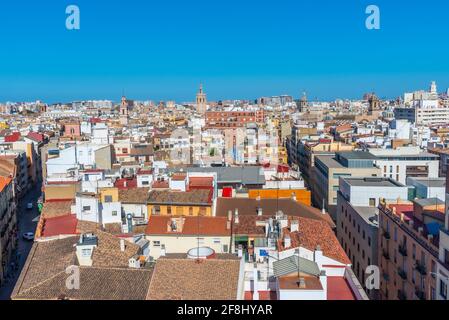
pixel 15 136
pixel 338 289
pixel 63 225
pixel 36 136
pixel 125 184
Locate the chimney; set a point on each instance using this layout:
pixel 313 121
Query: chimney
pixel 302 283
pixel 318 254
pixel 259 211
pixel 240 251
pixel 287 241
pixel 294 226
pixel 236 217
pixel 122 245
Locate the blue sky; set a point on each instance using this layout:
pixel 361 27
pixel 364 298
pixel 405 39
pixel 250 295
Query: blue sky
pixel 162 50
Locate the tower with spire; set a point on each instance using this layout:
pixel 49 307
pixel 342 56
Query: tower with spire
pixel 124 112
pixel 302 103
pixel 201 100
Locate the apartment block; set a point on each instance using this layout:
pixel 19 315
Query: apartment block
pixel 357 220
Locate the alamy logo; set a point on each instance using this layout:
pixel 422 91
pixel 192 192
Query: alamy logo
pixel 73 20
pixel 372 282
pixel 373 20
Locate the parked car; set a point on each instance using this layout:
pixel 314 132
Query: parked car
pixel 28 236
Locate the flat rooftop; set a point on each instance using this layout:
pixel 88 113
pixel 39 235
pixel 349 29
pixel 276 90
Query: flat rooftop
pixel 369 214
pixel 430 182
pixel 357 155
pixel 373 182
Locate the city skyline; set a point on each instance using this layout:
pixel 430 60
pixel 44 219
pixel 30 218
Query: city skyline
pixel 238 50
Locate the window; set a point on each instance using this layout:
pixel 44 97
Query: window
pixel 372 202
pixel 217 240
pixel 369 241
pixel 157 210
pixel 395 234
pixel 107 198
pixel 86 208
pixel 169 210
pixel 114 213
pixel 86 252
pixel 145 183
pixel 156 243
pixel 363 234
pixel 443 289
pixel 446 256
pixel 190 211
pixel 225 248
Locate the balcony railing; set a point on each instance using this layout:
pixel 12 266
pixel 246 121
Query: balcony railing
pixel 420 267
pixel 421 295
pixel 402 273
pixel 402 250
pixel 402 295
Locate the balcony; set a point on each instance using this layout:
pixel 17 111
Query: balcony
pixel 386 254
pixel 402 295
pixel 421 295
pixel 402 273
pixel 386 235
pixel 403 250
pixel 420 267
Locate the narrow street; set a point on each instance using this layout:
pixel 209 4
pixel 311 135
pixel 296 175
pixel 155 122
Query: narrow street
pixel 27 222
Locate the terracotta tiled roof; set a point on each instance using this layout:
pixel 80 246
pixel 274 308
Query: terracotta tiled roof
pixel 211 226
pixel 200 182
pixel 137 195
pixel 44 276
pixel 187 279
pixel 95 284
pixel 313 233
pixel 125 183
pixel 339 289
pixel 38 137
pixel 63 225
pixel 56 208
pixel 269 207
pixel 192 197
